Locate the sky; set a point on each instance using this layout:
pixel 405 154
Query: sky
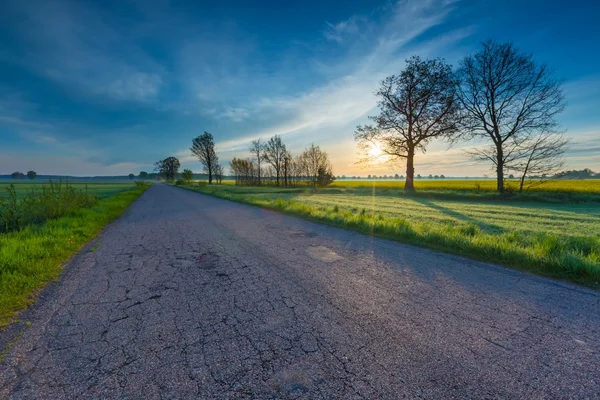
pixel 107 88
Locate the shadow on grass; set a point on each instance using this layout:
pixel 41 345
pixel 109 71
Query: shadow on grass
pixel 489 228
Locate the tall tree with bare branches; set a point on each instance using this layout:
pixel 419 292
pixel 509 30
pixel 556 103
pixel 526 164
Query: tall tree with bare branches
pixel 257 149
pixel 416 106
pixel 203 147
pixel 507 98
pixel 274 153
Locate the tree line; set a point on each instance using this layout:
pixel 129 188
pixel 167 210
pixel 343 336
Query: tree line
pixel 270 163
pixel 498 96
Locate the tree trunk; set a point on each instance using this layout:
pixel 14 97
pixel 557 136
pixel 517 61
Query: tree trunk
pixel 209 175
pixel 522 183
pixel 499 169
pixel 409 185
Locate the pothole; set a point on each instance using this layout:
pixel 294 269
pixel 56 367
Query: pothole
pixel 322 253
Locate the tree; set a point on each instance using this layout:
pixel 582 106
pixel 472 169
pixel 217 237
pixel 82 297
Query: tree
pixel 168 167
pixel 18 175
pixel 131 176
pixel 187 175
pixel 31 175
pixel 506 98
pixel 275 154
pixel 315 166
pixel 219 173
pixel 541 156
pixel 143 175
pixel 415 107
pixel 257 150
pixel 204 148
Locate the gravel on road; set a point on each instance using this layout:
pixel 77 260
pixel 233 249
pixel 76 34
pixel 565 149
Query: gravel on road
pixel 188 296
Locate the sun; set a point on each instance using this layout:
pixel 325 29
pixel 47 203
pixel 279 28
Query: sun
pixel 375 150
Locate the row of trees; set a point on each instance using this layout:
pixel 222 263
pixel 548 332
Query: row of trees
pixel 498 95
pixel 272 163
pixel 19 175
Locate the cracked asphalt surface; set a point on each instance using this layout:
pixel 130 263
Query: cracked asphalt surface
pixel 189 296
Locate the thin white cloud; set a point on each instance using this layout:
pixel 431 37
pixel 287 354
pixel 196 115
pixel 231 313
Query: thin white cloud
pixel 342 30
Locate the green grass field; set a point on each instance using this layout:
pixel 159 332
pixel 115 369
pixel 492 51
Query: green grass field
pixel 562 186
pixel 100 189
pixel 555 239
pixel 33 256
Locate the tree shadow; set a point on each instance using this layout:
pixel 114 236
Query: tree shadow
pixel 486 226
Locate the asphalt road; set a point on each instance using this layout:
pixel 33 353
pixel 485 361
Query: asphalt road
pixel 188 296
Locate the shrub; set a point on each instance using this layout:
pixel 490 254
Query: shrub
pixel 49 202
pixel 179 182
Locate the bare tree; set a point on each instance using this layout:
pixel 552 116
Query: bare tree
pixel 274 153
pixel 204 148
pixel 507 98
pixel 316 166
pixel 541 156
pixel 416 106
pixel 218 173
pixel 257 150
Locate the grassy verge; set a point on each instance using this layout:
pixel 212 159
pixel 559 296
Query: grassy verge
pixel 34 256
pixel 519 242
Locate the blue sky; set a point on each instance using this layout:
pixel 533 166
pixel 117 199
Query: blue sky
pixel 107 88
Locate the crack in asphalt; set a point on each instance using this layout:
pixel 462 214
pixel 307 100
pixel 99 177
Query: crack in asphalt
pixel 195 297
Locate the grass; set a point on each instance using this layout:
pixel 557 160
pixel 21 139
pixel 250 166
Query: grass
pixel 101 190
pixel 33 256
pixel 591 186
pixel 559 240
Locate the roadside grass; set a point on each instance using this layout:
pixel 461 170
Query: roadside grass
pixel 556 240
pixel 33 256
pixel 99 189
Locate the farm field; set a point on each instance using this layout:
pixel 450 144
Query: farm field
pixel 100 189
pixel 556 239
pixel 558 185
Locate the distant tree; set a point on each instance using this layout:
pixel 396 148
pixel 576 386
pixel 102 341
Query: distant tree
pixel 436 177
pixel 275 154
pixel 143 175
pixel 430 176
pixel 219 173
pixel 442 177
pixel 316 167
pixel 257 149
pixel 31 175
pixel 131 176
pixel 18 175
pixel 396 176
pixel 204 148
pixel 369 176
pixel 415 107
pixel 575 174
pixel 419 176
pixel 168 167
pixel 187 175
pixel 507 98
